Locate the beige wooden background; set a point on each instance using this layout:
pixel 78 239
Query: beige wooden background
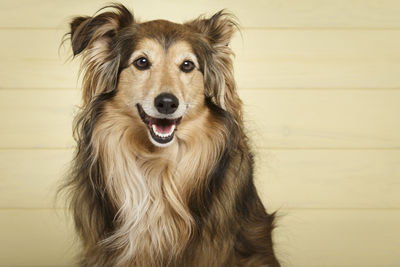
pixel 321 85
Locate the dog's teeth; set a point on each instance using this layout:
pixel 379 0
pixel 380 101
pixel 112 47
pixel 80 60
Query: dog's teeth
pixel 163 135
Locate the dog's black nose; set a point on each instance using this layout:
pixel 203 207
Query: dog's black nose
pixel 166 103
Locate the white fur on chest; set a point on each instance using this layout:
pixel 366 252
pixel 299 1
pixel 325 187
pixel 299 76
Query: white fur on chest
pixel 152 217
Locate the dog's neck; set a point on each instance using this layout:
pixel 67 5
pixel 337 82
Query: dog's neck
pixel 151 190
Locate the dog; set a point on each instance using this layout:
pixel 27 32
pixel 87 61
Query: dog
pixel 162 173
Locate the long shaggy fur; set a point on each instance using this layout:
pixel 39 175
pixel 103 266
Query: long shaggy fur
pixel 192 203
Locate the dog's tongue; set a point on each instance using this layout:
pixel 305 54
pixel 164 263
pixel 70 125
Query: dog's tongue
pixel 163 126
pixel 164 129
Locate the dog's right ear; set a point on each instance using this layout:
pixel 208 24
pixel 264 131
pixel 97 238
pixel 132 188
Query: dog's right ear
pixel 85 31
pixel 79 39
pixel 96 39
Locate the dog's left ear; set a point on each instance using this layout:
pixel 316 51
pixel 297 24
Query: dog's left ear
pixel 219 81
pixel 218 29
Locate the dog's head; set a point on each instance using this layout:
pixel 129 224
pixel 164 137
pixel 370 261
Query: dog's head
pixel 159 73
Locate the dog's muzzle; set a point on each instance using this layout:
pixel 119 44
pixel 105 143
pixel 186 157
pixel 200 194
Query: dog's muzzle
pixel 161 130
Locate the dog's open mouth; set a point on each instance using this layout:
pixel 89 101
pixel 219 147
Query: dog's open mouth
pixel 161 130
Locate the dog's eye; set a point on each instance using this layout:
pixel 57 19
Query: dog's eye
pixel 142 63
pixel 187 66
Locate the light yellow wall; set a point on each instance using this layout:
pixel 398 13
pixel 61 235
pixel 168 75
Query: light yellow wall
pixel 321 85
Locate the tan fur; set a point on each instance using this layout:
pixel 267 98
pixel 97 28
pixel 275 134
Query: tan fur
pixel 155 185
pixel 191 203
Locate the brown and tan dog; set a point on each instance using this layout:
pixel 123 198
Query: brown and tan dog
pixel 162 174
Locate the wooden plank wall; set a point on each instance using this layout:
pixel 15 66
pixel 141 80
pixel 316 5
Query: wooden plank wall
pixel 321 85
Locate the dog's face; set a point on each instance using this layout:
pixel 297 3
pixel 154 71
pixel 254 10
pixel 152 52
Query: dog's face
pixel 159 73
pixel 163 86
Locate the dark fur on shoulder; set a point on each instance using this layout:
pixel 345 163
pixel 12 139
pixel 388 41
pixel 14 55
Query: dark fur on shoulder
pixel 142 192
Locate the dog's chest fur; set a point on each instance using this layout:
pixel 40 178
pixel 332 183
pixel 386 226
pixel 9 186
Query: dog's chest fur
pixel 152 192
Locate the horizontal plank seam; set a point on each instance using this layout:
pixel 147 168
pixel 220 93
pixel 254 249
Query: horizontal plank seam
pixel 35 148
pixel 12 265
pixel 321 88
pixel 299 28
pixel 41 265
pixel 31 209
pixel 338 209
pixel 332 148
pixel 39 89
